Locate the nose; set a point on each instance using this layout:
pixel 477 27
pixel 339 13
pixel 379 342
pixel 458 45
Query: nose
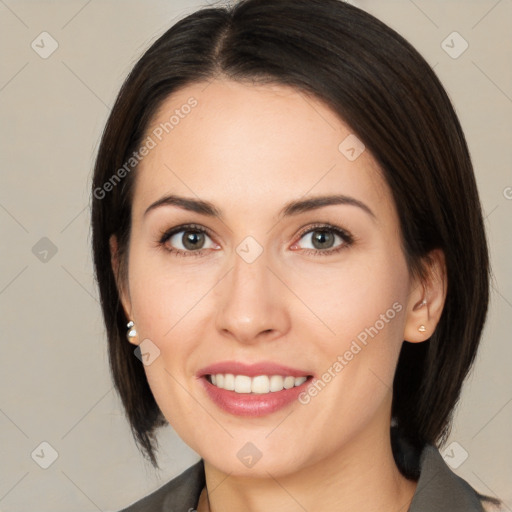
pixel 252 303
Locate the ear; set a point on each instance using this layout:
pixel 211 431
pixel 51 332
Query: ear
pixel 122 287
pixel 426 300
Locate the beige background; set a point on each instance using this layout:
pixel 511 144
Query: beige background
pixel 55 385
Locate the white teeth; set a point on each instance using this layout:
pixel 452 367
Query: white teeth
pixel 300 380
pixel 276 383
pixel 261 384
pixel 229 382
pixel 242 384
pixel 289 382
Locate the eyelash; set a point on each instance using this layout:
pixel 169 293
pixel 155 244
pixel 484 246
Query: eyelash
pixel 347 238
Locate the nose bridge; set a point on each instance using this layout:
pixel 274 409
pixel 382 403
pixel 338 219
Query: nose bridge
pixel 250 304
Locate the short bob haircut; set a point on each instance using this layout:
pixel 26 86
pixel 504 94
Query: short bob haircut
pixel 389 96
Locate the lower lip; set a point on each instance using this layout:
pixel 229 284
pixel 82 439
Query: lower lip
pixel 253 404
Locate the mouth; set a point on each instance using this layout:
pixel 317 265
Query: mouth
pixel 261 384
pixel 253 390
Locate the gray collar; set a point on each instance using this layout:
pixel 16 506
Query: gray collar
pixel 440 489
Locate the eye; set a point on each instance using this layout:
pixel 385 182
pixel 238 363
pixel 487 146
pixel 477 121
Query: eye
pixel 194 240
pixel 325 239
pixel 189 240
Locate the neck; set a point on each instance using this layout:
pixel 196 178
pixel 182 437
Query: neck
pixel 362 476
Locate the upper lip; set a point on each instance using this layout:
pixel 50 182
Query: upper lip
pixel 251 370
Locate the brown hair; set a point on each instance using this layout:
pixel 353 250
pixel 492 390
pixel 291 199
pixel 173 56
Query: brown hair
pixel 392 100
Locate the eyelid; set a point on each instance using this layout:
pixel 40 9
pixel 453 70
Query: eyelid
pixel 325 225
pixel 165 235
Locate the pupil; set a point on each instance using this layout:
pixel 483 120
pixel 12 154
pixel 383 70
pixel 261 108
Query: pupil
pixel 324 239
pixel 190 240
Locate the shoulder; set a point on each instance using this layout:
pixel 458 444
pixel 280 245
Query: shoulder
pixel 180 494
pixel 440 489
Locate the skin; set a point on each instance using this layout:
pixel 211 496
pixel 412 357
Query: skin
pixel 249 150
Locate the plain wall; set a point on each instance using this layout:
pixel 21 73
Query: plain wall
pixel 55 382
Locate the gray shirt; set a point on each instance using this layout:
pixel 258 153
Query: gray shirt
pixel 439 489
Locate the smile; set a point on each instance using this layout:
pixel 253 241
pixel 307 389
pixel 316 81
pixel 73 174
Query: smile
pixel 260 384
pixel 256 389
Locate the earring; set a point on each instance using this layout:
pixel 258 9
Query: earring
pixel 132 332
pixel 422 328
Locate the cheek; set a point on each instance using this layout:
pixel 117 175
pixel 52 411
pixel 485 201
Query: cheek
pixel 163 294
pixel 168 305
pixel 362 309
pixel 361 299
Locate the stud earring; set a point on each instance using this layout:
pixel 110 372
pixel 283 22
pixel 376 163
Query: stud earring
pixel 422 328
pixel 132 332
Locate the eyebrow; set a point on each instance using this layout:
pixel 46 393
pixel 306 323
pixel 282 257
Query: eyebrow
pixel 293 208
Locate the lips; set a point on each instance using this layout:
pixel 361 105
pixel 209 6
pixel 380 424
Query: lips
pixel 255 389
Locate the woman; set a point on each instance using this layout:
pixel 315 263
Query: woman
pixel 292 262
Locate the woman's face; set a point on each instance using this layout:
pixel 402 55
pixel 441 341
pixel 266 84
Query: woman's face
pixel 265 282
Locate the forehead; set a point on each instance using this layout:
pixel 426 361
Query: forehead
pixel 254 147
